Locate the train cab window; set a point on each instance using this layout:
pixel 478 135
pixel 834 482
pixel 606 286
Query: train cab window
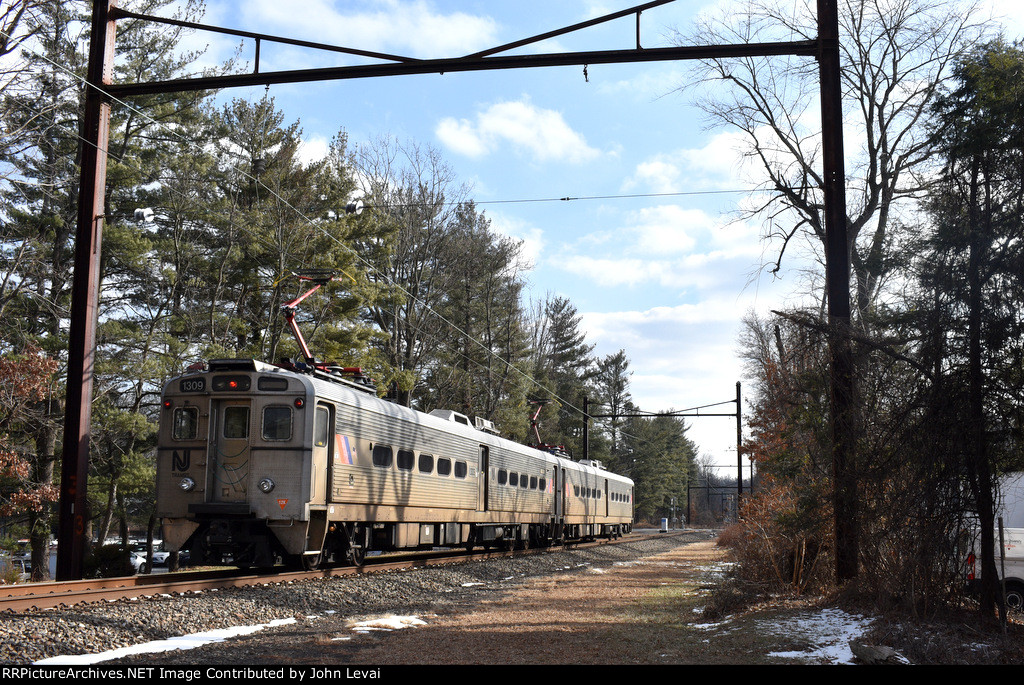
pixel 461 469
pixel 426 463
pixel 272 384
pixel 321 427
pixel 513 479
pixel 444 466
pixel 236 422
pixel 277 423
pixel 185 425
pixel 502 476
pixel 382 456
pixel 405 460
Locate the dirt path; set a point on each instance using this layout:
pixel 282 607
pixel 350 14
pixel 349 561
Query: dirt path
pixel 644 612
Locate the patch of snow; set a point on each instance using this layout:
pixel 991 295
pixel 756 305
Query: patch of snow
pixel 827 632
pixel 183 642
pixel 387 623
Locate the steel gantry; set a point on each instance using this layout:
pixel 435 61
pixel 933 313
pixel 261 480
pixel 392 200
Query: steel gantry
pixel 101 91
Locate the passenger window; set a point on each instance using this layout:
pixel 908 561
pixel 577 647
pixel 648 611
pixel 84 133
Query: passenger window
pixel 524 481
pixel 533 482
pixel 544 484
pixel 186 423
pixel 502 476
pixel 277 424
pixel 382 456
pixel 236 422
pixel 426 463
pixel 444 466
pixel 405 460
pixel 460 469
pixel 513 479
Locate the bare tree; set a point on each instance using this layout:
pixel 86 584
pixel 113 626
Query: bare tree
pixel 414 192
pixel 895 55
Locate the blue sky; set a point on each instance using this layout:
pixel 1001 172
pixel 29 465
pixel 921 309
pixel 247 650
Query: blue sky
pixel 666 276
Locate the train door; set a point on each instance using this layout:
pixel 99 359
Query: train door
pixel 323 452
pixel 484 473
pixel 229 450
pixel 559 492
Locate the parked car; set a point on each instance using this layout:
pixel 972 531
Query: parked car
pixel 14 569
pixel 23 551
pixel 159 555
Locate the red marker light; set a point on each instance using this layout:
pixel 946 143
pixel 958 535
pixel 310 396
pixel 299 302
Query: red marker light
pixel 299 403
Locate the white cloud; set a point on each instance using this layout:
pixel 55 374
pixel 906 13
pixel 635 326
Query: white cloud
pixel 409 27
pixel 717 165
pixel 668 246
pixel 669 229
pixel 530 237
pixel 658 175
pixel 461 137
pixel 653 82
pixel 313 149
pixel 542 134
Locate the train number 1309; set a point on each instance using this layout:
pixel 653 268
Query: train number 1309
pixel 192 384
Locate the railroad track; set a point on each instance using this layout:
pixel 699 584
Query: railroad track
pixel 49 595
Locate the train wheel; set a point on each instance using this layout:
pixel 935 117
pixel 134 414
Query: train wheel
pixel 310 562
pixel 355 549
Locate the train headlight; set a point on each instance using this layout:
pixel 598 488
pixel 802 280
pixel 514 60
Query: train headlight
pixel 265 485
pixel 187 484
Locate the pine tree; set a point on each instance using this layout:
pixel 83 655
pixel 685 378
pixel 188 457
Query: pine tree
pixel 972 269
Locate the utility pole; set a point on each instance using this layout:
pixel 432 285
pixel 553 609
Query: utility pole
pixel 837 286
pixel 739 451
pixel 95 135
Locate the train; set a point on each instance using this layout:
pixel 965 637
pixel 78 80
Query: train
pixel 303 464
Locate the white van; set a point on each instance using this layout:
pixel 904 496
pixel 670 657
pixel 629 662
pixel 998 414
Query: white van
pixel 1009 556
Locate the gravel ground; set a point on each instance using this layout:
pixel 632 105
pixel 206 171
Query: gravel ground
pixel 319 608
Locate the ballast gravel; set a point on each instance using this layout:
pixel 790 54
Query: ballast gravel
pixel 95 629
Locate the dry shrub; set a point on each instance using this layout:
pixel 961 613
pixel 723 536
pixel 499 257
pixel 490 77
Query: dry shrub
pixel 732 536
pixel 783 540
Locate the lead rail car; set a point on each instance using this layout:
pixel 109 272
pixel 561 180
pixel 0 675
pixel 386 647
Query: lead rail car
pixel 258 463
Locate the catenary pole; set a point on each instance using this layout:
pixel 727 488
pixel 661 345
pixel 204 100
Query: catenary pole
pixel 85 296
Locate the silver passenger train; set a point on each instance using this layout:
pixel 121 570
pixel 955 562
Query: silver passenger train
pixel 259 463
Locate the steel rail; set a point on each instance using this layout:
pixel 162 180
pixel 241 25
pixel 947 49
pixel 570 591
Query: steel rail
pixel 52 595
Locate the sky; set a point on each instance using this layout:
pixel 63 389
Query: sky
pixel 651 254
